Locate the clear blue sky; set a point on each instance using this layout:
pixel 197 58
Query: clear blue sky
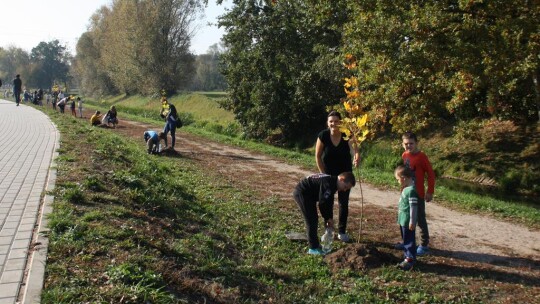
pixel 25 23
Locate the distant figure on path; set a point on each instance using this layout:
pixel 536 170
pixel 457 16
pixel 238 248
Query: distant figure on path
pixel 112 116
pixel 62 104
pixel 95 120
pixel 152 139
pixel 79 104
pixel 17 88
pixel 72 106
pixel 170 125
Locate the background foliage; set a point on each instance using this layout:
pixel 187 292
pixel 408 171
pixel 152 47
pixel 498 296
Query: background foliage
pixel 47 64
pixel 423 64
pixel 138 47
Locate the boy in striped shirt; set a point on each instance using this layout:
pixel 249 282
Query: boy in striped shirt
pixel 407 215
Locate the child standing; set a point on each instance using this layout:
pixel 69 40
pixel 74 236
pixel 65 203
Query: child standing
pixel 79 104
pixel 320 188
pixel 419 164
pixel 72 106
pixel 407 215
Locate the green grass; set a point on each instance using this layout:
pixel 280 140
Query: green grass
pixel 202 106
pixel 128 227
pixel 379 158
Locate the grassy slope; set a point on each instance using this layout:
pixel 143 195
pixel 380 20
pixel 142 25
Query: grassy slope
pixel 452 156
pixel 132 228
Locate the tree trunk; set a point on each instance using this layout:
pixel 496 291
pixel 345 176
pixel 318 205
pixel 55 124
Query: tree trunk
pixel 536 81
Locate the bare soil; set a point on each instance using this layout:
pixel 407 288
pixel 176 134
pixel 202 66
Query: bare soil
pixel 491 248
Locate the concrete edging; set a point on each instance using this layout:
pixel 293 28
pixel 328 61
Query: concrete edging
pixel 38 258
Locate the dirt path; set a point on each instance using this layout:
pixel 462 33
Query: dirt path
pixel 456 235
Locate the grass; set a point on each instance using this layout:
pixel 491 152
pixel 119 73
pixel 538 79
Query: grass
pixel 128 227
pixel 201 106
pixel 379 158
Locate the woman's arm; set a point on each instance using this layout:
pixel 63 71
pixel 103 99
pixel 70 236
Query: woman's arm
pixel 355 153
pixel 319 148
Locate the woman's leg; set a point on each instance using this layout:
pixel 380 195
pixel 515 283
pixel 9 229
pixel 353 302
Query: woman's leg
pixel 173 135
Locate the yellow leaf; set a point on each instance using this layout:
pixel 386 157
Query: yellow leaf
pixel 362 120
pixel 347 106
pixel 345 131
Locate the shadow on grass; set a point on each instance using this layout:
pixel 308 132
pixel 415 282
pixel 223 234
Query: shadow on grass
pixel 473 272
pixel 525 271
pixel 495 260
pixel 513 276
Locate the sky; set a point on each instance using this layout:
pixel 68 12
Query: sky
pixel 65 20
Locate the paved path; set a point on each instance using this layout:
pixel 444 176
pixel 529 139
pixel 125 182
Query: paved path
pixel 29 143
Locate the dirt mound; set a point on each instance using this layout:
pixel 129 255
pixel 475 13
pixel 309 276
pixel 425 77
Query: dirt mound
pixel 359 257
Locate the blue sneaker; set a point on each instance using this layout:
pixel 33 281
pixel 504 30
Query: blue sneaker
pixel 316 251
pixel 399 246
pixel 421 250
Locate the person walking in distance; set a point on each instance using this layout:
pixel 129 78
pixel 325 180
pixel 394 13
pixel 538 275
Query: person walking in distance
pixel 80 105
pixel 419 164
pixel 333 157
pixel 17 88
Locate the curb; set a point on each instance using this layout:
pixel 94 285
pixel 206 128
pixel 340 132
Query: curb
pixel 37 259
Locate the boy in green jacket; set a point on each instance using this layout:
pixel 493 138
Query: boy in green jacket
pixel 407 215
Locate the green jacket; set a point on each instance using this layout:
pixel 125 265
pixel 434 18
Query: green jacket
pixel 407 207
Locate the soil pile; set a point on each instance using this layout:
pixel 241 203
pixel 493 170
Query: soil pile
pixel 359 257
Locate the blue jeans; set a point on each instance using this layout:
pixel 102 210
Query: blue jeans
pixel 409 242
pixel 172 128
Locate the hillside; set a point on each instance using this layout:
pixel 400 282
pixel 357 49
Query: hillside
pixel 490 157
pixel 206 225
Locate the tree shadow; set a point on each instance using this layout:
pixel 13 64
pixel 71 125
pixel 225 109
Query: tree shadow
pixel 520 272
pixel 525 271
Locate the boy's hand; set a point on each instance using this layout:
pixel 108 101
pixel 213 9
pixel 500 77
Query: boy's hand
pixel 412 227
pixel 429 197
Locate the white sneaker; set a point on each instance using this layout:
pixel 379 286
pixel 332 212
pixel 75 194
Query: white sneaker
pixel 344 237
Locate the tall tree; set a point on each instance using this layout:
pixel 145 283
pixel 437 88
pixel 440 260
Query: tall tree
pixel 424 63
pixel 142 46
pixel 14 61
pixel 50 63
pixel 208 76
pixel 280 65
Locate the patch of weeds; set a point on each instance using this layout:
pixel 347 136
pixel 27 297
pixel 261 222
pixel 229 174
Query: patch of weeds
pixel 75 196
pixel 62 218
pixel 127 179
pixel 141 284
pixel 93 215
pixel 93 183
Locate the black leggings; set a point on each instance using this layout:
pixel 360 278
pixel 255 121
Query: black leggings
pixel 308 207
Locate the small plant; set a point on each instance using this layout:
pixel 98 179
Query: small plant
pixel 355 124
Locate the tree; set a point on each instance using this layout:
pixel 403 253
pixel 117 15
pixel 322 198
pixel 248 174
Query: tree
pixel 141 46
pixel 426 63
pixel 207 71
pixel 50 64
pixel 280 65
pixel 14 61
